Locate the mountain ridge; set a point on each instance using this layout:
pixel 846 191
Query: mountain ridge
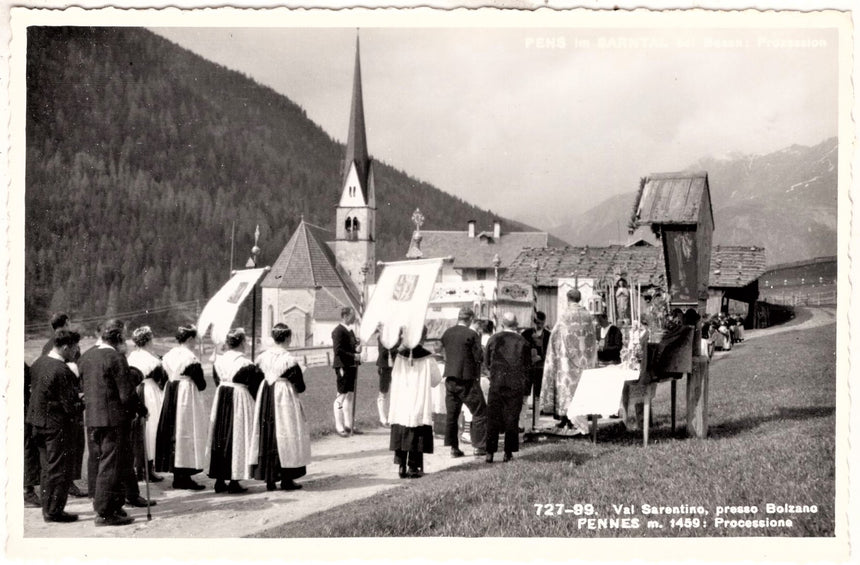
pixel 784 201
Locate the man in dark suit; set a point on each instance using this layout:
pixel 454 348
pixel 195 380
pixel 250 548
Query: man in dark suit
pixel 60 320
pixel 32 470
pixel 509 358
pixel 111 402
pixel 461 348
pixel 538 338
pixel 347 356
pixel 54 405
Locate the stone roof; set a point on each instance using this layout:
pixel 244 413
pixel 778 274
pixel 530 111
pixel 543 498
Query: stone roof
pixel 737 265
pixel 308 262
pixel 478 252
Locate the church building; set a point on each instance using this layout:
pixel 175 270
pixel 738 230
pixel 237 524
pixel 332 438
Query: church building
pixel 318 272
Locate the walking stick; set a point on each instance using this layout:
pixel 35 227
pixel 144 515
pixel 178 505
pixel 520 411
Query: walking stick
pixel 354 403
pixel 146 469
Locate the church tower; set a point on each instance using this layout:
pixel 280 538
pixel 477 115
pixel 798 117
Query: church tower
pixel 355 227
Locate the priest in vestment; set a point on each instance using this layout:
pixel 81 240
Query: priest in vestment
pixel 572 349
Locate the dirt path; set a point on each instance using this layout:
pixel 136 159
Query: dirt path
pixel 342 470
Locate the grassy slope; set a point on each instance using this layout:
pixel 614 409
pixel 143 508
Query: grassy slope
pixel 772 420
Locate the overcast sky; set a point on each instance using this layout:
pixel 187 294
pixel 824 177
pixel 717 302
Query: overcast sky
pixel 543 124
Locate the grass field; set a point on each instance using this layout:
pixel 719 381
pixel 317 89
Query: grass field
pixel 772 436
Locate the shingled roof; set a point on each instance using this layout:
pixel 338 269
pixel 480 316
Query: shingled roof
pixel 477 252
pixel 737 265
pixel 308 262
pixel 641 264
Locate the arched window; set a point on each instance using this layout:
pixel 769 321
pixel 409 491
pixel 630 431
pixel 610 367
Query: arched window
pixel 348 225
pixel 355 226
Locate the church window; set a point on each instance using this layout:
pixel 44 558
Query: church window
pixel 355 225
pixel 348 225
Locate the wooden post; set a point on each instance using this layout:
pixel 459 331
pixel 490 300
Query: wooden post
pixel 697 398
pixel 646 419
pixel 594 428
pixel 674 397
pixel 328 358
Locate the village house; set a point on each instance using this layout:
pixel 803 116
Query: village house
pixel 734 272
pixel 475 275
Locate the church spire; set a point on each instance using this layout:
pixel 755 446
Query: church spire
pixel 356 145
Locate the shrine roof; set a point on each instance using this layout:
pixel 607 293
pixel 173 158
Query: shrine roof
pixel 673 198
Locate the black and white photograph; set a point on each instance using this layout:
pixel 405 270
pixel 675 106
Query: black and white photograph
pixel 472 284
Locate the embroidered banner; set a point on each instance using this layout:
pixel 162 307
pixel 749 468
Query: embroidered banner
pixel 400 299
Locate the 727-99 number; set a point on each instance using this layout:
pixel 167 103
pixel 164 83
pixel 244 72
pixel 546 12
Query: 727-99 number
pixel 561 509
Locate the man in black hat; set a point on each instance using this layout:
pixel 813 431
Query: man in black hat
pixel 461 349
pixel 54 406
pixel 538 338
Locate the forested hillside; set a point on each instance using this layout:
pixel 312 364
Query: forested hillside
pixel 142 155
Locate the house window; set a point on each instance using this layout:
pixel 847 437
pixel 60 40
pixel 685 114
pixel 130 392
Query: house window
pixel 481 274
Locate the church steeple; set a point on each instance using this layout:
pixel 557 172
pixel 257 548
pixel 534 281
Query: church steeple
pixel 356 144
pixel 355 215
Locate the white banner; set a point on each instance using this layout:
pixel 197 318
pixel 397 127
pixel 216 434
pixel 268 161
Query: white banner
pixel 400 300
pixel 221 309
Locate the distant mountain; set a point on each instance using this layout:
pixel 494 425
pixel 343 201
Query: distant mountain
pixel 784 201
pixel 142 155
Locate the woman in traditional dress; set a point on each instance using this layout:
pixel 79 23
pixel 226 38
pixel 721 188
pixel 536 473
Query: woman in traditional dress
pixel 281 445
pixel 180 444
pixel 151 389
pixel 232 419
pixel 411 413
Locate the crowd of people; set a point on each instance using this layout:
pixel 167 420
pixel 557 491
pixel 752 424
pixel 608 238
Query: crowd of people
pixel 142 415
pixel 722 331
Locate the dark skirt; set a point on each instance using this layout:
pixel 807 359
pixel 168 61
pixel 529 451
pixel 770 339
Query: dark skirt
pixel 268 467
pixel 221 442
pixel 165 436
pixel 418 439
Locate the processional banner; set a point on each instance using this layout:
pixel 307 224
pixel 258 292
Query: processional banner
pixel 221 309
pixel 400 299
